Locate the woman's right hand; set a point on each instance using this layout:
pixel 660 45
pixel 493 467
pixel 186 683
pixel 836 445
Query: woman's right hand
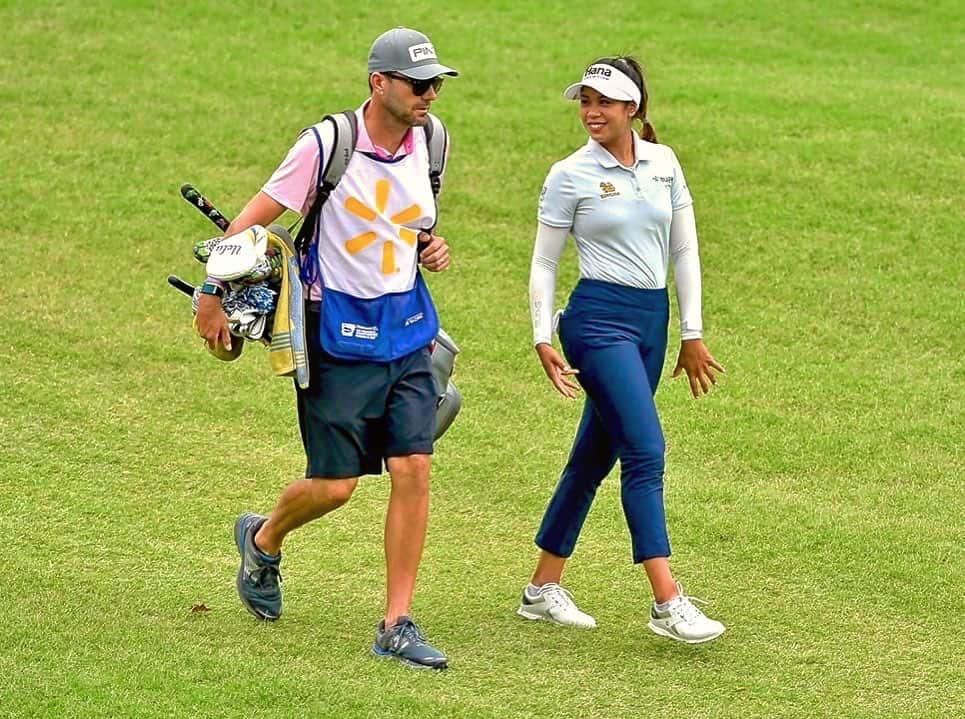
pixel 212 322
pixel 557 370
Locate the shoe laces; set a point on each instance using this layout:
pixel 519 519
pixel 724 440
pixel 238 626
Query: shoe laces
pixel 266 575
pixel 557 596
pixel 684 608
pixel 408 631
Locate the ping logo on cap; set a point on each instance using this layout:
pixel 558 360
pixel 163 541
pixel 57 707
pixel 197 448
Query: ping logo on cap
pixel 425 51
pixel 597 71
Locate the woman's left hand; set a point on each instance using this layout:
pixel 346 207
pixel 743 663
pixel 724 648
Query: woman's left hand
pixel 699 364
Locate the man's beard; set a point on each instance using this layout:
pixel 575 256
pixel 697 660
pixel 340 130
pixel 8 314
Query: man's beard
pixel 405 116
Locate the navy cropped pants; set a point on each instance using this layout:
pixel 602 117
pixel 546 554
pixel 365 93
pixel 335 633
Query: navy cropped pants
pixel 616 336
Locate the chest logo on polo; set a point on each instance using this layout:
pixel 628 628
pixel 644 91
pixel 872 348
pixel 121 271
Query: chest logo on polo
pixel 608 189
pixel 358 208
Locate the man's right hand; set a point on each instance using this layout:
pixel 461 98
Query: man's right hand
pixel 212 322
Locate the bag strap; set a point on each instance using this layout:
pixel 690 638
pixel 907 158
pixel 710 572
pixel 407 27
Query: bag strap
pixel 346 135
pixel 437 142
pixel 330 170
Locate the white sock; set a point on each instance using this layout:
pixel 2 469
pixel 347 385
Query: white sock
pixel 532 591
pixel 663 606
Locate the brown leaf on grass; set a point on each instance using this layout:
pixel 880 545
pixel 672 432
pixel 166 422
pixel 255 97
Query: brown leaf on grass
pixel 200 609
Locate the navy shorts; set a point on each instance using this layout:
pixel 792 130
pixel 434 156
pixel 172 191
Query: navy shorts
pixel 354 415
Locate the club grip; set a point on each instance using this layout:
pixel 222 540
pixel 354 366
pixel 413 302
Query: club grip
pixel 180 285
pixel 204 206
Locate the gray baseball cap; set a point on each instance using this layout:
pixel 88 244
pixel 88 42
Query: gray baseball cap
pixel 407 52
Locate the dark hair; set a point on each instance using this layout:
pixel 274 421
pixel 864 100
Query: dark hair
pixel 630 67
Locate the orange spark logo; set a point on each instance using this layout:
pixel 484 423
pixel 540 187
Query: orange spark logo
pixel 363 211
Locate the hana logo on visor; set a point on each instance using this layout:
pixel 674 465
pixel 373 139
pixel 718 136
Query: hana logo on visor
pixel 363 211
pixel 425 51
pixel 597 70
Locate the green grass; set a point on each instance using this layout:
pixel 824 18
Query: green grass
pixel 816 497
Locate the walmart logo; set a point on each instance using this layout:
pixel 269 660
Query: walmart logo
pixel 363 211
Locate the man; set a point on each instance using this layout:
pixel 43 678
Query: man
pixel 370 399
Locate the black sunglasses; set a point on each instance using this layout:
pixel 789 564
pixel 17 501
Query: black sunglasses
pixel 419 87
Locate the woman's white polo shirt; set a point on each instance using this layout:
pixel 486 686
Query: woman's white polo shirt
pixel 619 216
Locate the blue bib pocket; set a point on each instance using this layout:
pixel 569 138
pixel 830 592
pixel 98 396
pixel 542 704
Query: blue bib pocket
pixel 380 329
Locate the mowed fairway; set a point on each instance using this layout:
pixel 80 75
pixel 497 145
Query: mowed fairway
pixel 816 498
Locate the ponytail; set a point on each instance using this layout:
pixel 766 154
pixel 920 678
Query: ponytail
pixel 647 132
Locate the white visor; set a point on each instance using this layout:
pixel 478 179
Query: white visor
pixel 607 81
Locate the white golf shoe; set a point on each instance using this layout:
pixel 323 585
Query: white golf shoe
pixel 552 603
pixel 683 621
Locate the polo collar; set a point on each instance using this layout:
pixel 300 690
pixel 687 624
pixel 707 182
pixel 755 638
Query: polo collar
pixel 642 150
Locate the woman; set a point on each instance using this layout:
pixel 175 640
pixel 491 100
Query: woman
pixel 625 201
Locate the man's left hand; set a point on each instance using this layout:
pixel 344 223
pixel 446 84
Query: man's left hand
pixel 434 255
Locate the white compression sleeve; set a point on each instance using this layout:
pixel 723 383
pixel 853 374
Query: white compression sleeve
pixel 550 242
pixel 686 262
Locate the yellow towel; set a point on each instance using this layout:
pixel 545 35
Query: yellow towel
pixel 287 352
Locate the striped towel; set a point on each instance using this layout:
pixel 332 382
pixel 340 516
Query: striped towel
pixel 287 351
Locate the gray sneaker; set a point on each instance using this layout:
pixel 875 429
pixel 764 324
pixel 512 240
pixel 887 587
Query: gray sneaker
pixel 406 643
pixel 259 576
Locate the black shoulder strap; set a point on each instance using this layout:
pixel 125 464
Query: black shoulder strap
pixel 330 170
pixel 437 140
